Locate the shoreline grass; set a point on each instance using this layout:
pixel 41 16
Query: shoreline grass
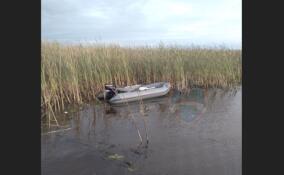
pixel 75 73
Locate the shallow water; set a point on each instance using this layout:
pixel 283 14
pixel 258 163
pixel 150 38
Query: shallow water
pixel 197 133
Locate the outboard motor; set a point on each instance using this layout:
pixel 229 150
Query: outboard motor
pixel 108 93
pixel 111 91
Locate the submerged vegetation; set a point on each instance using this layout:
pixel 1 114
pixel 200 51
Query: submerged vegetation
pixel 75 73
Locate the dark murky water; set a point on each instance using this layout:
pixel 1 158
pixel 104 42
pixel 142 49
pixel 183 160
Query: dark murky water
pixel 197 133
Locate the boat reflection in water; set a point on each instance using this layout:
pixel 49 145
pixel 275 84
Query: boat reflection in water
pixel 184 108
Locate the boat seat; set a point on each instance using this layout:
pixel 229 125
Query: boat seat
pixel 145 88
pixel 128 89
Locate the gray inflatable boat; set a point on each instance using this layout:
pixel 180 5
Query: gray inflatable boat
pixel 139 92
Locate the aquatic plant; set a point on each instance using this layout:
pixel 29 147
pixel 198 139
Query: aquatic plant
pixel 75 73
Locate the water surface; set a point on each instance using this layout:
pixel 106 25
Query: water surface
pixel 198 133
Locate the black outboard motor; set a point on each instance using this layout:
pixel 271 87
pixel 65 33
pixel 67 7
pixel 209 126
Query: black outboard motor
pixel 111 91
pixel 108 93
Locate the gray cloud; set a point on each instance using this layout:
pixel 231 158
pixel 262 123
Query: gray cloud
pixel 128 20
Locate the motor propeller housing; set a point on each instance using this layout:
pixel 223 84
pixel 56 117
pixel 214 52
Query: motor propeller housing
pixel 108 93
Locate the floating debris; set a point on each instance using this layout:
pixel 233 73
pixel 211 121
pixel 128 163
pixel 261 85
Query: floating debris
pixel 131 169
pixel 57 131
pixel 116 157
pixel 65 112
pixel 129 164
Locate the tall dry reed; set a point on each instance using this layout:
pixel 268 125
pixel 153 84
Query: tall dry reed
pixel 75 73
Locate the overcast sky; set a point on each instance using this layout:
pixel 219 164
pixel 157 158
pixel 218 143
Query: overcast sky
pixel 143 21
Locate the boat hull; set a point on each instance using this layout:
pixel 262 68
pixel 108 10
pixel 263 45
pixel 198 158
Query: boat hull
pixel 149 91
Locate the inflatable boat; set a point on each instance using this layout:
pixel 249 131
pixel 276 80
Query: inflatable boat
pixel 138 92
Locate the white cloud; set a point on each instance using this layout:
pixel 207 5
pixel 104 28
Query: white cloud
pixel 159 10
pixel 209 21
pixel 95 13
pixel 222 22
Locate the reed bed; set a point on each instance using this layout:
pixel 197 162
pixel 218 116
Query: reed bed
pixel 75 73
